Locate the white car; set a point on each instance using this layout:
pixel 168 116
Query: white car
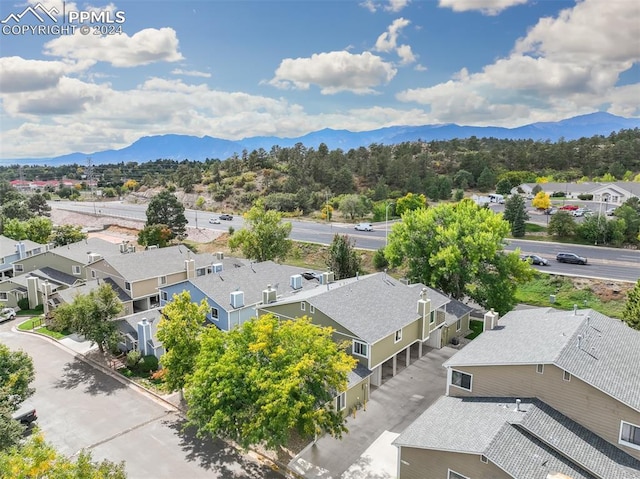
pixel 364 227
pixel 7 314
pixel 214 221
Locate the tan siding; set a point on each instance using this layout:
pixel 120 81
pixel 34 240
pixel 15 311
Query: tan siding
pixel 576 399
pixel 387 347
pixel 53 261
pixel 429 464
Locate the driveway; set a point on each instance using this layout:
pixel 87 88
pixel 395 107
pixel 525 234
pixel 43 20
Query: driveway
pixel 80 407
pixel 366 451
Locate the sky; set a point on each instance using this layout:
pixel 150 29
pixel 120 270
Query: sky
pixel 87 77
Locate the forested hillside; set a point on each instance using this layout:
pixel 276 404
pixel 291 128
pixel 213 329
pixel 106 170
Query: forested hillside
pixel 302 179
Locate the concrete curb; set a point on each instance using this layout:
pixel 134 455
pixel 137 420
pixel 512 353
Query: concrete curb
pixel 274 464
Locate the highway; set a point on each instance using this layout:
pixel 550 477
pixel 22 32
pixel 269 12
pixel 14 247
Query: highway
pixel 604 263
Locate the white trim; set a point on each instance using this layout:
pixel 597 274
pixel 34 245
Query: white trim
pixel 566 376
pixel 75 269
pixel 459 325
pixel 18 268
pixel 625 443
pixel 341 401
pixel 164 296
pixel 312 308
pixel 458 475
pixel 353 348
pixel 303 306
pixel 4 295
pixel 217 315
pixel 125 285
pixel 162 280
pixel 93 274
pixel 465 373
pixel 397 337
pixel 484 459
pixel 540 368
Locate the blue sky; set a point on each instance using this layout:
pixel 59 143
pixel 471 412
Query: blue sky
pixel 237 69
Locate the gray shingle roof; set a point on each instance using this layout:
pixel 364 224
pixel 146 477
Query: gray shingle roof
pixel 156 262
pixel 357 374
pixel 375 306
pixel 8 246
pixel 251 280
pixel 454 310
pixel 527 444
pixel 607 358
pixel 79 251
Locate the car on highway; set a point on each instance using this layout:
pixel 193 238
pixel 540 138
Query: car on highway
pixel 364 227
pixel 214 221
pixel 570 258
pixel 7 314
pixel 225 217
pixel 535 259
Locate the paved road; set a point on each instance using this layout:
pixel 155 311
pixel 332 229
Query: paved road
pixel 82 407
pixel 607 263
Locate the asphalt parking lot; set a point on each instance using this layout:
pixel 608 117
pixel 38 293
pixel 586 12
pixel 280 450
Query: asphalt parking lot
pixel 80 407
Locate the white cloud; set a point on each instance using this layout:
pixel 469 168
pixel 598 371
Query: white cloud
pixel 488 7
pixel 19 75
pixel 144 47
pixel 388 40
pixel 405 54
pixel 564 66
pixel 369 5
pixel 396 5
pixel 191 73
pixel 334 72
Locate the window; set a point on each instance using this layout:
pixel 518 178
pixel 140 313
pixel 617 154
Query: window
pixel 566 376
pixel 201 271
pixel 630 435
pixel 484 459
pixel 214 313
pixel 360 349
pixel 127 285
pixel 162 280
pixel 312 308
pixel 164 295
pixel 4 296
pixel 460 379
pixel 459 325
pixel 94 275
pixel 341 401
pixel 398 336
pixel 303 306
pixel 540 368
pixel 18 268
pixel 432 317
pixel 455 475
pixel 75 269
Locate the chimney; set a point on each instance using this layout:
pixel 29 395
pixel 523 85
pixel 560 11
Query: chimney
pixel 144 336
pixel 33 291
pixel 490 319
pixel 424 304
pixel 190 268
pixel 21 249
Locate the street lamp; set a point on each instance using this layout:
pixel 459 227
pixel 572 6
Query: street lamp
pixel 386 223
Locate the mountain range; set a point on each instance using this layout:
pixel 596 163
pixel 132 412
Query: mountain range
pixel 180 147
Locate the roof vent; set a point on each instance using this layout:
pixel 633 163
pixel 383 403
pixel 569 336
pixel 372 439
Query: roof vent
pixel 269 295
pixel 579 340
pixel 575 309
pixel 518 401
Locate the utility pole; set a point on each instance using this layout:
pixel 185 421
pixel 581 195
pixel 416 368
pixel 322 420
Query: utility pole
pixel 90 177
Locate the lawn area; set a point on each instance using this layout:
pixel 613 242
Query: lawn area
pixel 607 297
pixel 37 324
pixel 476 327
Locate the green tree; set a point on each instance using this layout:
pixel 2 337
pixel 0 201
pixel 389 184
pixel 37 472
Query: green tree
pixel 354 206
pixel 410 202
pixel 16 373
pixel 16 209
pixel 257 383
pixel 561 225
pixel 158 235
pixel 37 459
pixel 39 229
pixel 165 209
pixel 503 187
pixel 92 315
pixel 342 258
pixel 463 179
pixel 265 237
pixel 15 229
pixel 179 329
pixel 38 205
pixel 515 212
pixel 487 179
pixel 454 248
pixel 631 313
pixel 66 234
pixel 631 218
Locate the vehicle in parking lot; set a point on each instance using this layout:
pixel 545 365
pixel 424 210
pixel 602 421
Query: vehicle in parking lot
pixel 535 259
pixel 214 221
pixel 582 212
pixel 226 217
pixel 551 211
pixel 7 314
pixel 569 207
pixel 571 258
pixel 26 416
pixel 364 227
pixel 611 211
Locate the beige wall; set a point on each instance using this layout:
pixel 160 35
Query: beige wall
pixel 576 399
pixel 387 347
pixel 52 260
pixel 428 464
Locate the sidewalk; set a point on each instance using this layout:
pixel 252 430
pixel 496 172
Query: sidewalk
pixel 366 451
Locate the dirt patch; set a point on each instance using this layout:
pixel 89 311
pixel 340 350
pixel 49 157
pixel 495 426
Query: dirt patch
pixel 604 290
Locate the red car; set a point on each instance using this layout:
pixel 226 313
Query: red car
pixel 568 207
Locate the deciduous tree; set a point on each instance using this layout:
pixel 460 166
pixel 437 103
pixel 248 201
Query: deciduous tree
pixel 257 383
pixel 165 209
pixel 158 235
pixel 66 234
pixel 515 212
pixel 39 229
pixel 16 374
pixel 457 248
pixel 561 225
pixel 179 330
pixel 342 258
pixel 631 313
pixel 265 236
pixel 541 201
pixel 410 202
pixel 91 315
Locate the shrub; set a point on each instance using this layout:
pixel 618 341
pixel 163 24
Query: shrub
pixel 379 260
pixel 585 197
pixel 557 194
pixel 23 303
pixel 147 364
pixel 133 358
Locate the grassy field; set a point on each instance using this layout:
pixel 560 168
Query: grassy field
pixel 36 324
pixel 606 297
